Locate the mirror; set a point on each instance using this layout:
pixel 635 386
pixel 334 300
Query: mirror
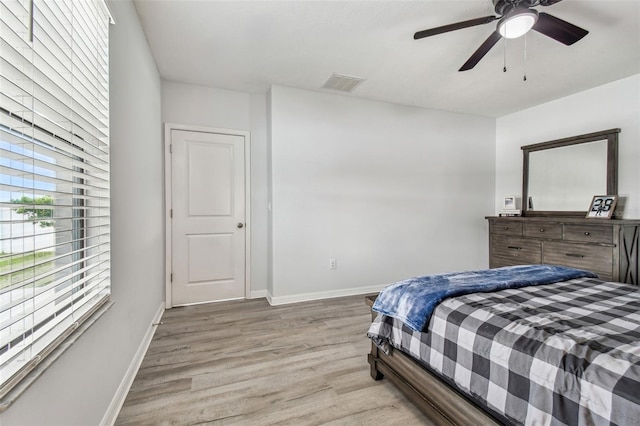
pixel 581 180
pixel 560 177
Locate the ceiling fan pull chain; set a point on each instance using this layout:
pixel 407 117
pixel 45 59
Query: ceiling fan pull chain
pixel 504 67
pixel 525 58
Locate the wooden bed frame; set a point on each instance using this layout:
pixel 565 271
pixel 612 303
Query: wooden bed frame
pixel 437 399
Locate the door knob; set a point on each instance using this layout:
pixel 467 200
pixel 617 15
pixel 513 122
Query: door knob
pixel 240 225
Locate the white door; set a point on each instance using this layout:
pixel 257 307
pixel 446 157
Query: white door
pixel 208 225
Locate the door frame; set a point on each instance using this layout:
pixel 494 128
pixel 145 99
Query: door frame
pixel 168 179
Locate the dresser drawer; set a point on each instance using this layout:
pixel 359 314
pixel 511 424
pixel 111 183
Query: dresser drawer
pixel 543 230
pixel 598 259
pixel 589 233
pixel 504 227
pixel 506 251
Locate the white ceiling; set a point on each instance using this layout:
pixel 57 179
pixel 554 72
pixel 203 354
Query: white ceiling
pixel 250 45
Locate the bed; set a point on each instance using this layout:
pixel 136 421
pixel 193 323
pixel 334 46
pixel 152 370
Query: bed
pixel 560 352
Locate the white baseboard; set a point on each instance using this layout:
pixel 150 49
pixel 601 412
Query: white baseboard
pixel 257 294
pixel 111 415
pixel 330 294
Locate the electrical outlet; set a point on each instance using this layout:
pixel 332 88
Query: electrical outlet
pixel 332 264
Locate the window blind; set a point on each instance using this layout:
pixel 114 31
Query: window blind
pixel 54 175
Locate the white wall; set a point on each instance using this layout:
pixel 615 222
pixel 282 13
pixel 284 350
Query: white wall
pixel 205 106
pixel 78 388
pixel 259 195
pixel 613 105
pixel 389 191
pixel 269 198
pixel 217 108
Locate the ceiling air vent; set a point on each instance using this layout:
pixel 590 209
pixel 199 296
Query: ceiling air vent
pixel 342 83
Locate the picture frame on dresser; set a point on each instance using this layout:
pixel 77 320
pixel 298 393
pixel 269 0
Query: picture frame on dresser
pixel 602 207
pixel 510 202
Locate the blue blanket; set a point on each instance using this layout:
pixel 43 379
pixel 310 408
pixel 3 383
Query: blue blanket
pixel 413 300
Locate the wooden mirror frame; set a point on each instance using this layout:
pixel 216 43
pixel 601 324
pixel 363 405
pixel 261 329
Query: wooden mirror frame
pixel 611 136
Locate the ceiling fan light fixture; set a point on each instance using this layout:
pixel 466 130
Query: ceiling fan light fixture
pixel 517 23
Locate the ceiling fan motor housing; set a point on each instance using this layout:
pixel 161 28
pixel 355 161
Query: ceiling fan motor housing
pixel 502 7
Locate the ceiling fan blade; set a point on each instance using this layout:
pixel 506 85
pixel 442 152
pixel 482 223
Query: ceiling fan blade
pixel 549 2
pixel 454 27
pixel 482 50
pixel 559 30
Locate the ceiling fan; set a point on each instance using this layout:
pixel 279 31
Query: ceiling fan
pixel 516 18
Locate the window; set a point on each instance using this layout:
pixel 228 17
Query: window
pixel 54 175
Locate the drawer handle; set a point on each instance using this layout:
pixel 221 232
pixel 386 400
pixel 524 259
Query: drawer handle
pixel 574 255
pixel 514 248
pixel 541 229
pixel 506 228
pixel 587 233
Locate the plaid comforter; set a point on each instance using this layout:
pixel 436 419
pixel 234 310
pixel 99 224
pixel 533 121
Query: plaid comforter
pixel 562 353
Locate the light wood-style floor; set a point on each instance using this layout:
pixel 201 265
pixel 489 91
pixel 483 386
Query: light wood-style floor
pixel 247 363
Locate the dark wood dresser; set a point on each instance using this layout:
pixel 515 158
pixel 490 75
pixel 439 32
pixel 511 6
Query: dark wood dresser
pixel 609 248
